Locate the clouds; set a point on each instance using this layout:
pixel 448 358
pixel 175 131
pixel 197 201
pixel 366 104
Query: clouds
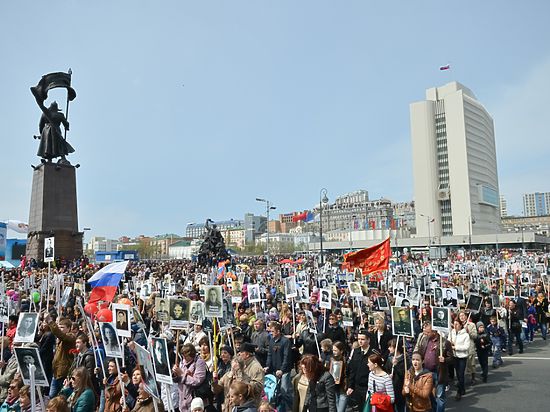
pixel 521 114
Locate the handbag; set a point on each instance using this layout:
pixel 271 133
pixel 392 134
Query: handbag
pixel 368 406
pixel 381 401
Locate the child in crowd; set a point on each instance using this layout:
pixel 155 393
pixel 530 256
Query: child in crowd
pixel 498 340
pixel 483 348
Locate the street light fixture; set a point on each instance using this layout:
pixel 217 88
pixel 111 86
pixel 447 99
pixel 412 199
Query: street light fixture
pixel 268 207
pixel 429 219
pixel 323 199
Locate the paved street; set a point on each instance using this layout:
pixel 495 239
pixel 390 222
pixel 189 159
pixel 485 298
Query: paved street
pixel 520 385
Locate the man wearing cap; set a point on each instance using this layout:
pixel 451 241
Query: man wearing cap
pixel 436 361
pixel 252 368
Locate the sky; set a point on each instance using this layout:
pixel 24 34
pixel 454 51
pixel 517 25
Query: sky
pixel 188 110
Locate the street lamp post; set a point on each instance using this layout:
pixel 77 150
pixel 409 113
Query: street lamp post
pixel 350 236
pixel 269 207
pixel 429 220
pixel 471 221
pixel 322 199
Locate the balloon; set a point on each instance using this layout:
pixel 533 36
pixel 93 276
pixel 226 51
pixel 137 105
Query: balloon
pixel 91 308
pixel 15 296
pixel 35 296
pixel 125 301
pixel 104 315
pixel 10 292
pixel 104 305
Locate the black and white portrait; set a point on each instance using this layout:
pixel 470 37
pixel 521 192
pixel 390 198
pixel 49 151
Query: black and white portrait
pixel 440 319
pixel 324 298
pixel 401 321
pixel 145 360
pixel 121 314
pixel 336 370
pixel 383 303
pixel 27 357
pixel 355 289
pixel 196 313
pixel 179 312
pixel 49 249
pixel 474 303
pixel 290 287
pixel 26 327
pixel 254 293
pixel 161 361
pixel 213 301
pixel 236 292
pixel 450 298
pixel 303 294
pixel 322 283
pixel 110 340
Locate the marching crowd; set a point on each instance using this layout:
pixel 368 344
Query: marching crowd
pixel 284 352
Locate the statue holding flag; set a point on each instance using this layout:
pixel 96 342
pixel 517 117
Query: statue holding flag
pixel 53 143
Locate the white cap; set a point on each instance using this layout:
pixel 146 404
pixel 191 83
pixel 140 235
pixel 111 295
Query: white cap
pixel 197 403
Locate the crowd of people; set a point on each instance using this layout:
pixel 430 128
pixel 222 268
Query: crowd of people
pixel 295 336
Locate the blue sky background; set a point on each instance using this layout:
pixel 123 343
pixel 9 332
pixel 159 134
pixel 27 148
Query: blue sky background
pixel 188 110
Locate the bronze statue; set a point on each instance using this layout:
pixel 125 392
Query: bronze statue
pixel 213 248
pixel 53 143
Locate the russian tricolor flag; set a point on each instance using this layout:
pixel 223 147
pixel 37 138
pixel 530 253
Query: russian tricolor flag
pixel 105 282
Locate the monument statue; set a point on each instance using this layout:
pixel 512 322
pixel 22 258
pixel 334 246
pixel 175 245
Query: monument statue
pixel 213 248
pixel 53 210
pixel 53 143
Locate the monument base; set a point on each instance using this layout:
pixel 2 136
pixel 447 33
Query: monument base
pixel 53 212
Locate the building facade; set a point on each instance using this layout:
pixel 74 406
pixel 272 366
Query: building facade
pixel 198 230
pixel 454 164
pixel 503 207
pixel 254 226
pixel 536 204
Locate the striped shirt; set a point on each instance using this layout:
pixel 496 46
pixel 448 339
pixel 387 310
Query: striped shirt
pixel 382 383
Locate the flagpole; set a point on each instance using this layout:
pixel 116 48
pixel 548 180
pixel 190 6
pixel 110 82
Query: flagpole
pixel 70 73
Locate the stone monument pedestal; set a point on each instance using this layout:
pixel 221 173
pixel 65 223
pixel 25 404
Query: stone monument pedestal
pixel 53 212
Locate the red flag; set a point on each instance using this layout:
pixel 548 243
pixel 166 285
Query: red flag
pixel 447 67
pixel 299 217
pixel 373 259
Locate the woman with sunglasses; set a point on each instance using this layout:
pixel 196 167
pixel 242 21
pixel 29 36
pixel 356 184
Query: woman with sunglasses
pixel 80 392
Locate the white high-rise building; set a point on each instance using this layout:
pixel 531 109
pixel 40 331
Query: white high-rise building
pixel 503 207
pixel 536 204
pixel 454 164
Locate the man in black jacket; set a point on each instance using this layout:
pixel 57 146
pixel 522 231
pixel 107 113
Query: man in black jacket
pixel 358 369
pixel 334 332
pixel 260 338
pixel 381 337
pixel 279 363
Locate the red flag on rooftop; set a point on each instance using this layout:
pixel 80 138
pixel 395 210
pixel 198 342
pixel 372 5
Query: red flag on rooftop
pixel 373 259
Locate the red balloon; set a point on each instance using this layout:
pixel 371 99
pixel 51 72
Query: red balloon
pixel 91 308
pixel 104 305
pixel 125 301
pixel 104 315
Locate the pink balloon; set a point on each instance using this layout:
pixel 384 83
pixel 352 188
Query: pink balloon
pixel 10 292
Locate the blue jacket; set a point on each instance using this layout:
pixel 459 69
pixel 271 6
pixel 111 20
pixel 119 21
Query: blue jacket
pixel 84 403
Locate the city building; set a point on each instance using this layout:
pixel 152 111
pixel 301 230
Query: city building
pixel 503 207
pixel 161 243
pixel 101 244
pixel 234 238
pixel 536 204
pixel 456 188
pixel 356 212
pixel 198 230
pixel 253 227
